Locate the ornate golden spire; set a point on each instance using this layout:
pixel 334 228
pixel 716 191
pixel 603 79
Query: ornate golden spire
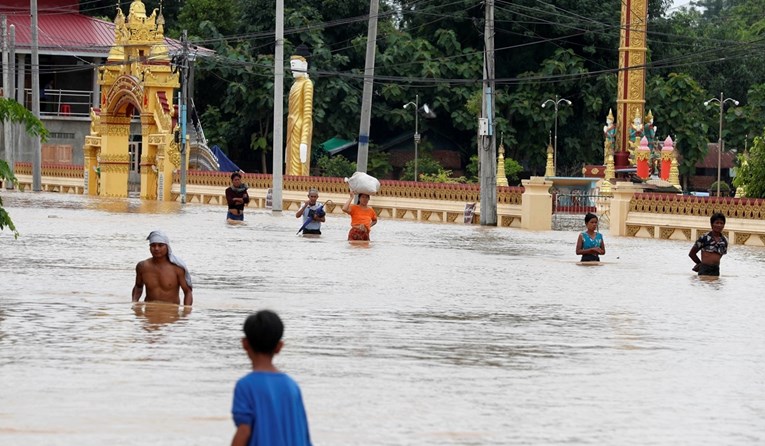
pixel 549 167
pixel 501 175
pixel 137 9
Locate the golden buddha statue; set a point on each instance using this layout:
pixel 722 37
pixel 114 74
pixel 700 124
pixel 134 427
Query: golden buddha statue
pixel 300 116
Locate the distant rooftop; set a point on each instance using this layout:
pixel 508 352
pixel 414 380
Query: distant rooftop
pixel 64 31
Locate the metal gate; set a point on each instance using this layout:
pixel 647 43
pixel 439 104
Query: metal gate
pixel 569 210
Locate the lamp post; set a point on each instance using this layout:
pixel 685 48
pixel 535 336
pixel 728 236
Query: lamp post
pixel 556 102
pixel 721 102
pixel 416 104
pixel 428 114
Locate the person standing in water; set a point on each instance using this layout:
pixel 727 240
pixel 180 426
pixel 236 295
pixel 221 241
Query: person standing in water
pixel 236 198
pixel 163 274
pixel 363 217
pixel 312 219
pixel 713 245
pixel 590 244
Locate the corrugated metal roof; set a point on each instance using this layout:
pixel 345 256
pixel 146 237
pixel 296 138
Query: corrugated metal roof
pixel 73 35
pixel 64 34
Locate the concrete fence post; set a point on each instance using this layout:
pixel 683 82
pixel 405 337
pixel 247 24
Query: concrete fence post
pixel 620 206
pixel 536 204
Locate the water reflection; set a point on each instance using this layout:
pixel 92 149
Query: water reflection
pixel 156 314
pixel 429 335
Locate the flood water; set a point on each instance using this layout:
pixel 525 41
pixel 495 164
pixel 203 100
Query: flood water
pixel 430 335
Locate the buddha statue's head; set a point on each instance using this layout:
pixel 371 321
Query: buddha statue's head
pixel 299 66
pixel 299 61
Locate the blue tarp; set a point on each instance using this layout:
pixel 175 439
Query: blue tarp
pixel 226 165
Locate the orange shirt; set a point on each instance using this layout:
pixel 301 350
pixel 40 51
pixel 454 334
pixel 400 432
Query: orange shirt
pixel 361 216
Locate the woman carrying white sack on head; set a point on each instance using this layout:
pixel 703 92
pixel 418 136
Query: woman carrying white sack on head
pixel 363 217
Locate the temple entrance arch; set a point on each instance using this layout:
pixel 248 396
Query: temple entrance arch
pixel 137 81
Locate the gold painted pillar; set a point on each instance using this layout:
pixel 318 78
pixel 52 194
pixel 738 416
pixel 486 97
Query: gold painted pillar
pixel 630 99
pixel 149 141
pixel 114 160
pixel 90 167
pixel 149 173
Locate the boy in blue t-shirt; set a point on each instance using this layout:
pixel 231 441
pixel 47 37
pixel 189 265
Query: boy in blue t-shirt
pixel 268 407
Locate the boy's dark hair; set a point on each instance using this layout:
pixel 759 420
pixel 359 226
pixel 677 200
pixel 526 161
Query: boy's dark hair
pixel 716 216
pixel 236 174
pixel 264 330
pixel 589 217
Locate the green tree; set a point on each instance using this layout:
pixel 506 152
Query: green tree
pixel 742 123
pixel 751 173
pixel 12 111
pixel 677 103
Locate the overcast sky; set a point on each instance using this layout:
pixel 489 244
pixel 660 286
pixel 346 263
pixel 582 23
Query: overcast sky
pixel 679 3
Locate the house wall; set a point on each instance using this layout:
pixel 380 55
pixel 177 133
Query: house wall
pixel 63 132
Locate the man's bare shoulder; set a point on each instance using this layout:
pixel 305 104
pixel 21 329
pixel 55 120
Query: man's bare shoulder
pixel 149 263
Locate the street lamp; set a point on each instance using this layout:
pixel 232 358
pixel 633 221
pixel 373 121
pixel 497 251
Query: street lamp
pixel 428 112
pixel 721 102
pixel 556 102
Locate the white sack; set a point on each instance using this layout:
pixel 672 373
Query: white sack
pixel 362 183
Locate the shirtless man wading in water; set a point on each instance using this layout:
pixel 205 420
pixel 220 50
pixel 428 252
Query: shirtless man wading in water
pixel 163 274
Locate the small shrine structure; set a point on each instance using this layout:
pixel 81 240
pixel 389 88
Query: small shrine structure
pixel 136 81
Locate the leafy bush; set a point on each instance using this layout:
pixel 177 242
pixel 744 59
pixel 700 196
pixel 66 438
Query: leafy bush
pixel 379 165
pixel 724 188
pixel 512 169
pixel 336 166
pixel 443 176
pixel 426 165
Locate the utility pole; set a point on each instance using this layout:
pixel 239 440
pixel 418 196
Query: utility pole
pixel 10 143
pixel 487 142
pixel 182 102
pixel 7 93
pixel 278 148
pixel 366 98
pixel 36 149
